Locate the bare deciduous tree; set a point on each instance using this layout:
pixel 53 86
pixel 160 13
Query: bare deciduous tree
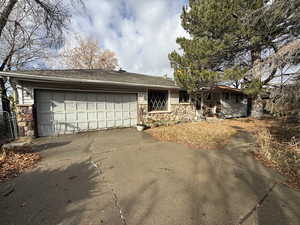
pixel 88 55
pixel 26 27
pixel 53 13
pixel 21 45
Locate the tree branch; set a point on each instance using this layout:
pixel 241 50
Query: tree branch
pixel 5 14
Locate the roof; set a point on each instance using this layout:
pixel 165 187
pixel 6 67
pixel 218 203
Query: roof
pixel 226 88
pixel 223 88
pixel 94 76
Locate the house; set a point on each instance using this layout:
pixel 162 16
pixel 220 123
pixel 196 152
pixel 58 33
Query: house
pixel 55 102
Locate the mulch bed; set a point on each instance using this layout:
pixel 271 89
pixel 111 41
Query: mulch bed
pixel 13 164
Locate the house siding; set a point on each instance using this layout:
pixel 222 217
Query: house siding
pixel 176 111
pixel 25 95
pixel 231 109
pixel 26 99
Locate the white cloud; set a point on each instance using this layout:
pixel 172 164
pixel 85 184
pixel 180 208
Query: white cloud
pixel 141 32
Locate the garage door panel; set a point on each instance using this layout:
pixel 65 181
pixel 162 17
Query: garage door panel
pixel 110 115
pixel 126 107
pixel 127 123
pixel 91 106
pixel 71 127
pixel 119 123
pixel 70 107
pixel 101 106
pixel 102 125
pixel 83 126
pixel 110 106
pixel 92 116
pixel 92 125
pixel 118 115
pixel 71 117
pixel 110 124
pixel 133 107
pixel 118 107
pixel 59 116
pixel 133 115
pixel 133 122
pixel 81 106
pixel 60 127
pixel 126 115
pixel 82 116
pixel 101 116
pixel 69 112
pixel 58 106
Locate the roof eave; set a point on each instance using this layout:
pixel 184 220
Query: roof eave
pixel 32 77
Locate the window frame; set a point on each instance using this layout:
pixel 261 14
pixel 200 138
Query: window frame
pixel 154 109
pixel 188 100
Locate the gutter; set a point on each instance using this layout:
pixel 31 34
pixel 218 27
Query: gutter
pixel 43 78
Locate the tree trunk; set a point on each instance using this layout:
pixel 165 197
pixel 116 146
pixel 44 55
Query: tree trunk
pixel 4 15
pixel 257 110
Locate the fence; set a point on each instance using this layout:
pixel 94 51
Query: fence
pixel 8 126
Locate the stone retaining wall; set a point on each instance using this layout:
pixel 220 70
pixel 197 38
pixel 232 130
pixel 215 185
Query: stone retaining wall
pixel 25 120
pixel 178 112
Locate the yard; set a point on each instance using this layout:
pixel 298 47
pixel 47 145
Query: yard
pixel 275 142
pixel 127 177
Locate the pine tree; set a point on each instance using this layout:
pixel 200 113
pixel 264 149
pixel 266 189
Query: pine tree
pixel 229 38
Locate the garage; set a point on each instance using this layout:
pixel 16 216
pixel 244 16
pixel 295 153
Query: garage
pixel 68 112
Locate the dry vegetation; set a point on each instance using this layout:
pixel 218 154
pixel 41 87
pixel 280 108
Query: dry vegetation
pixel 203 135
pixel 13 164
pixel 278 142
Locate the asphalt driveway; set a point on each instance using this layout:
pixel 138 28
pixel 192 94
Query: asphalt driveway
pixel 125 177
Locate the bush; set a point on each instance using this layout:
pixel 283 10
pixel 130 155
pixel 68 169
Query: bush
pixel 285 156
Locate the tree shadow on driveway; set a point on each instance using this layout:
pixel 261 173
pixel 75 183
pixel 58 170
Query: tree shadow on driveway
pixel 50 196
pixel 225 185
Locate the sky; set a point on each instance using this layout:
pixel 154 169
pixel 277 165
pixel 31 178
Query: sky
pixel 141 32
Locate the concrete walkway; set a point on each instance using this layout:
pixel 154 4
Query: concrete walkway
pixel 125 177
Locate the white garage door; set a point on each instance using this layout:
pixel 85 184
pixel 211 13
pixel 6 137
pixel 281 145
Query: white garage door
pixel 70 112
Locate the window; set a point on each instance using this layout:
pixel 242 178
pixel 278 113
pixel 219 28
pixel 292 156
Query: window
pixel 184 97
pixel 238 98
pixel 209 96
pixel 226 96
pixel 158 100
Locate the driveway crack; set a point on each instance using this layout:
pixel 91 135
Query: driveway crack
pixel 258 205
pixel 98 166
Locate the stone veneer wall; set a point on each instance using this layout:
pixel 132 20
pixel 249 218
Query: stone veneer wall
pixel 25 120
pixel 178 112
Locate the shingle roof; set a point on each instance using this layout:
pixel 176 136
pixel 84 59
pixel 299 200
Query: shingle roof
pixel 99 75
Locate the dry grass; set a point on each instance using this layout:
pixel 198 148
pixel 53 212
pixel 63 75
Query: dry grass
pixel 282 156
pixel 202 135
pixel 278 142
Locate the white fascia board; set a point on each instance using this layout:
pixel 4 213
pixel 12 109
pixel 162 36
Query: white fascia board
pixel 43 78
